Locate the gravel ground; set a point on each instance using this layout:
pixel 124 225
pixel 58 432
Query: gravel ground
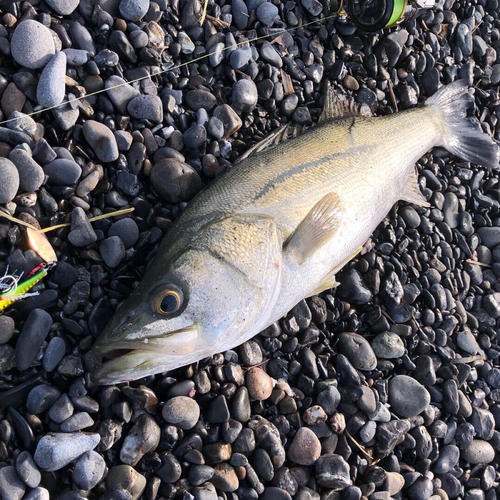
pixel 386 387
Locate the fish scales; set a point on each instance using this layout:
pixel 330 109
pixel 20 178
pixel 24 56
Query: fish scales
pixel 275 229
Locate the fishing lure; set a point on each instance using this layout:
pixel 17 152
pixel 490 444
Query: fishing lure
pixel 14 288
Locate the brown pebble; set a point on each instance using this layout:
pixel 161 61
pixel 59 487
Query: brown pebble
pixel 120 25
pixel 259 383
pixel 314 415
pixel 9 20
pixel 337 423
pixel 305 448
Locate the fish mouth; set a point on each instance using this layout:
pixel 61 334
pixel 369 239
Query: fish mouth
pixel 127 360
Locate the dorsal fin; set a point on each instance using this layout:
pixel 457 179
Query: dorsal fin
pixel 282 133
pixel 340 106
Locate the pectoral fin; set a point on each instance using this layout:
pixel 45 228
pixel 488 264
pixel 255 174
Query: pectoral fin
pixel 319 225
pixel 329 280
pixel 412 192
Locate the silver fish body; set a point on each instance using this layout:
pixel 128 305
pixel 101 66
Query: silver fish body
pixel 275 229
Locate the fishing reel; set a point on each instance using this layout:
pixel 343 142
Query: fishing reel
pixel 374 15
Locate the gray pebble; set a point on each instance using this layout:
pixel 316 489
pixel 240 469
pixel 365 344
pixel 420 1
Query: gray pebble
pixel 240 57
pixel 490 236
pixel 187 45
pixel 81 233
pixel 102 140
pixel 32 44
pixel 89 470
pixel 63 7
pixel 9 180
pixel 76 57
pixel 142 438
pixel 217 54
pixel 120 93
pixel 448 458
pixel 62 409
pixel 174 180
pixel 62 172
pixel 388 345
pixel 267 13
pixel 407 396
pixel 52 83
pixel 7 327
pixel 11 486
pixel 27 469
pixel 31 175
pixel 127 230
pixel 240 14
pixel 34 332
pixel 146 107
pixel 450 209
pixel 314 7
pixel 269 54
pixel 332 471
pixel 37 494
pixel 56 450
pixel 107 59
pixel 134 10
pixel 77 422
pixel 123 140
pixel 358 351
pixel 112 251
pixel 22 123
pixel 41 398
pixel 181 411
pixel 245 95
pixel 126 478
pixel 200 99
pixel 215 128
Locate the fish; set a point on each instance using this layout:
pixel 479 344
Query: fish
pixel 277 228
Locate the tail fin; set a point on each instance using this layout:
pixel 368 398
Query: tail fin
pixel 461 136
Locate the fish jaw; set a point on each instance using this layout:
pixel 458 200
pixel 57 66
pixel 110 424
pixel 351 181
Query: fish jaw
pixel 134 359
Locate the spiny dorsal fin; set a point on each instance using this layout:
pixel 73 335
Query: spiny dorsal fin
pixel 318 226
pixel 340 106
pixel 412 192
pixel 281 134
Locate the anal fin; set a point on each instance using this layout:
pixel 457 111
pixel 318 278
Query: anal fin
pixel 329 280
pixel 412 192
pixel 319 225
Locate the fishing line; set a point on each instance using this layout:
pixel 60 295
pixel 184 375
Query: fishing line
pixel 172 68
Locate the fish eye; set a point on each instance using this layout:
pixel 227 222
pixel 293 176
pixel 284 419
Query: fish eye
pixel 168 301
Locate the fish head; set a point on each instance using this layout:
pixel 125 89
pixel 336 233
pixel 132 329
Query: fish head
pixel 203 304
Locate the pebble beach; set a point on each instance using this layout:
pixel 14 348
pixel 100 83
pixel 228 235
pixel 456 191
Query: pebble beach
pixel 385 387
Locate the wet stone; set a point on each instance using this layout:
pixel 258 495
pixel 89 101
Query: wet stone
pixel 174 180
